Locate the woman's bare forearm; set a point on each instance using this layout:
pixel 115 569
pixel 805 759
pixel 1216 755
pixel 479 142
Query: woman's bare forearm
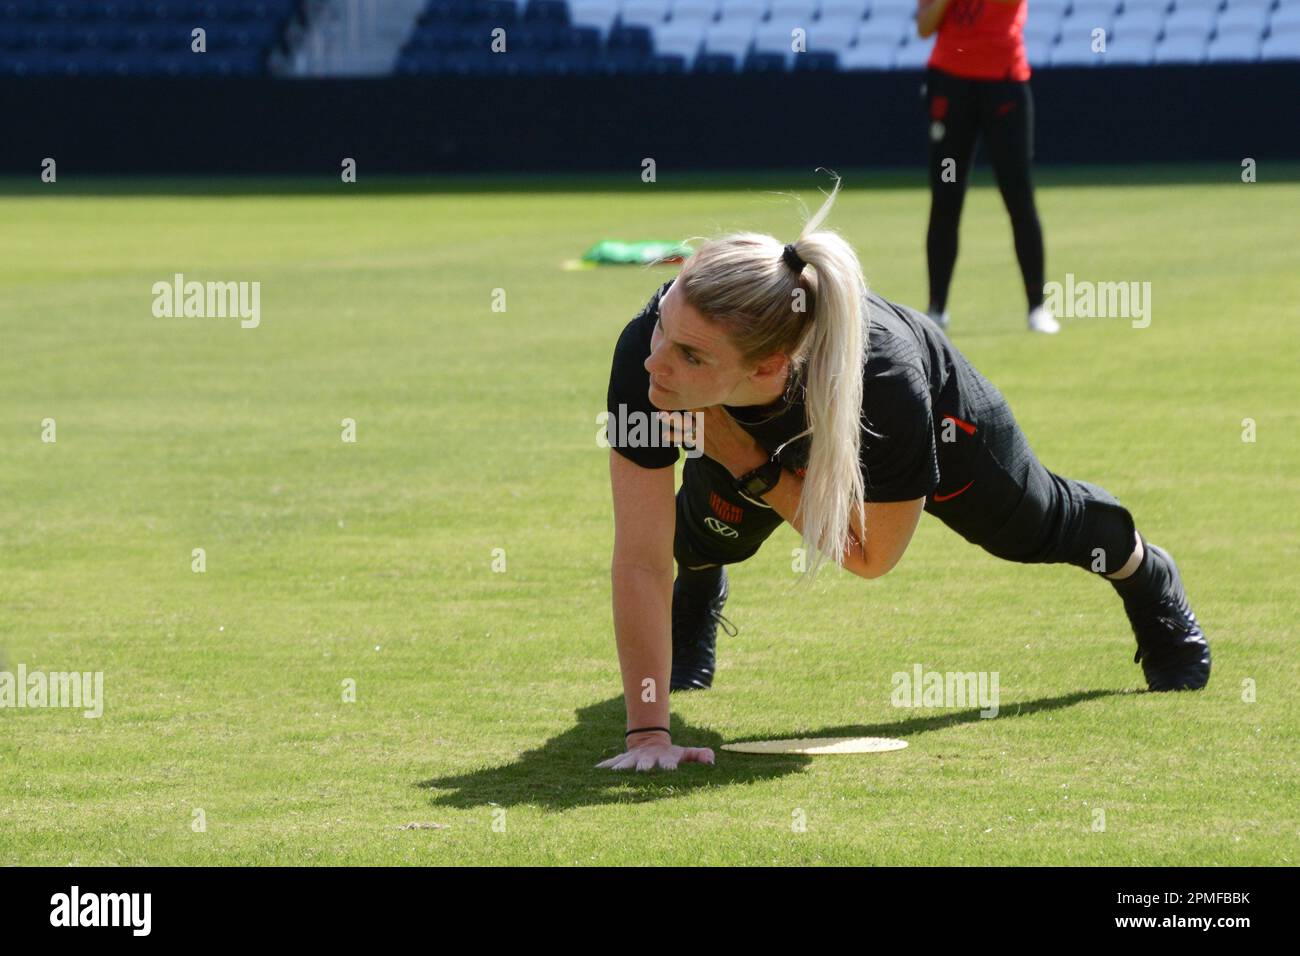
pixel 643 601
pixel 784 499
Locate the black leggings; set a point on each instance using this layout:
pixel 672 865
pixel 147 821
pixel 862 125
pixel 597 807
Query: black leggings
pixel 993 491
pixel 960 110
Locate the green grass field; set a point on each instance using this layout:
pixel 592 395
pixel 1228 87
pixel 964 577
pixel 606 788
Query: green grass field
pixel 483 699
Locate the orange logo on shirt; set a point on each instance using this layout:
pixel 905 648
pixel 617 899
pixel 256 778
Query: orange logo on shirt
pixel 724 509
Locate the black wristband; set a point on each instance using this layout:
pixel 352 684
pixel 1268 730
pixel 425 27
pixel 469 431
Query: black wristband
pixel 637 730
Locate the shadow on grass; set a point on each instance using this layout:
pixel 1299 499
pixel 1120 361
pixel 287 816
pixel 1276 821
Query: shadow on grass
pixel 562 773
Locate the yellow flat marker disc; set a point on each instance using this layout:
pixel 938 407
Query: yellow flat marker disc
pixel 577 265
pixel 818 745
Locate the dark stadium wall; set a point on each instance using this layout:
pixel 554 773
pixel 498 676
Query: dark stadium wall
pixel 580 124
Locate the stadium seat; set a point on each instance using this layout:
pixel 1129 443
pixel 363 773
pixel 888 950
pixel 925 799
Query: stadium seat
pixel 815 62
pixel 1243 18
pixel 679 39
pixel 1142 20
pixel 749 10
pixel 697 11
pixel 764 63
pixel 894 9
pixel 1038 49
pixel 885 27
pixel 1075 47
pixel 643 13
pixel 1132 45
pixel 547 11
pixel 1185 48
pixel 1234 46
pixel 802 12
pixel 1283 43
pixel 832 35
pixel 141 37
pixel 715 63
pixel 844 9
pixel 870 54
pixel 1191 6
pixel 630 39
pixel 1045 11
pixel 777 38
pixel 914 54
pixel 1038 33
pixel 730 37
pixel 1190 23
pixel 1094 13
pixel 1285 17
pixel 598 14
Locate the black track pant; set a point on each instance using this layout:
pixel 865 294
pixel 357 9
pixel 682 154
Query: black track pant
pixel 960 111
pixel 992 491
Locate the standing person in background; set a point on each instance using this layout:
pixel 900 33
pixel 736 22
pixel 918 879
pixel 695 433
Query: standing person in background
pixel 977 83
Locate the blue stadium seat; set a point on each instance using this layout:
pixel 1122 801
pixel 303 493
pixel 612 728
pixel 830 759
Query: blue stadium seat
pixel 816 62
pixel 715 63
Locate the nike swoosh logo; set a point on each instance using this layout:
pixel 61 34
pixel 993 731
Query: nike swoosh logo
pixel 967 427
pixel 938 497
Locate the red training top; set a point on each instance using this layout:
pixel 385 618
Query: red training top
pixel 983 40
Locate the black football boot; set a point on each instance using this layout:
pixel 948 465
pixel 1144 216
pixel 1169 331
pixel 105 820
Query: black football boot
pixel 696 617
pixel 1172 648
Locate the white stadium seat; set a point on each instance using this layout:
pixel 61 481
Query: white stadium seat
pixel 831 36
pixel 777 38
pixel 800 11
pixel 1143 21
pixel 869 54
pixel 743 9
pixel 893 8
pixel 1041 21
pixel 889 28
pixel 1037 32
pixel 1233 47
pixel 1285 18
pixel 1184 23
pixel 1194 5
pixel 915 54
pixel 1153 6
pixel 1075 45
pixel 732 37
pixel 1282 44
pixel 643 13
pixel 1243 18
pixel 1038 50
pixel 842 9
pixel 1094 13
pixel 681 39
pixel 1181 49
pixel 600 14
pixel 1132 46
pixel 1045 10
pixel 698 10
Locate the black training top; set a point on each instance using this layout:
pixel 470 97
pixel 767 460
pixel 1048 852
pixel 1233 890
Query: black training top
pixel 912 378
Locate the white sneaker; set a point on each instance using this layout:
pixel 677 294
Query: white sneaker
pixel 1042 320
pixel 940 319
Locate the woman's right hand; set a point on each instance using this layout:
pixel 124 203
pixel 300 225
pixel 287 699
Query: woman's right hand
pixel 647 751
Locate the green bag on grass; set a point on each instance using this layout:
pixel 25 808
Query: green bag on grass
pixel 636 253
